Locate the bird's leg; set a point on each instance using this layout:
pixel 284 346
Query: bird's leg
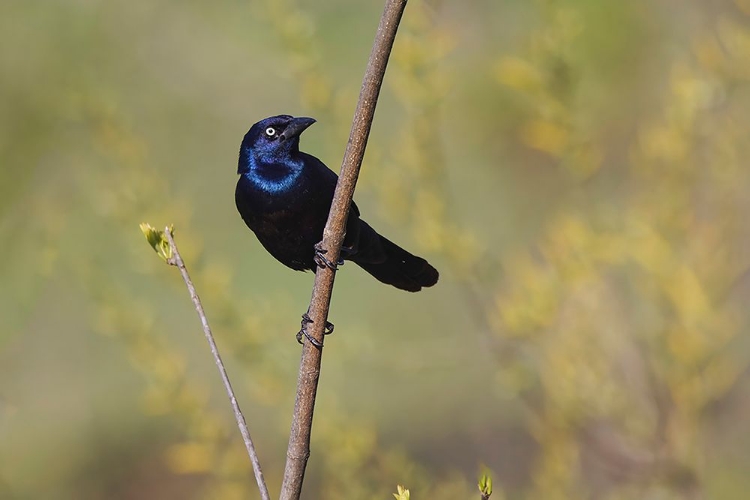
pixel 322 261
pixel 327 330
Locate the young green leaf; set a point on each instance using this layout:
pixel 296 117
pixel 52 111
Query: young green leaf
pixel 158 241
pixel 403 493
pixel 485 485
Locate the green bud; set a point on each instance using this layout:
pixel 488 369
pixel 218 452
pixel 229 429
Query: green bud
pixel 485 485
pixel 158 241
pixel 403 493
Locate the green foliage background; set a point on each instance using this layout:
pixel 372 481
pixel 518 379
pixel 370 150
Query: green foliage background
pixel 577 170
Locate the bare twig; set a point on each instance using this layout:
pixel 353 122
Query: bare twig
pixel 176 260
pixel 333 236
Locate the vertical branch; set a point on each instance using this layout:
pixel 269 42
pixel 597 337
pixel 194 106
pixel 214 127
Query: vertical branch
pixel 176 260
pixel 333 236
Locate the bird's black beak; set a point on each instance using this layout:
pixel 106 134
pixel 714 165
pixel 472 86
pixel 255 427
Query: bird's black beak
pixel 296 127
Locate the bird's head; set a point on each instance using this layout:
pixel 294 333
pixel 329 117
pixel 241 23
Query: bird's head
pixel 274 138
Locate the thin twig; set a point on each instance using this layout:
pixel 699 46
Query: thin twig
pixel 333 236
pixel 176 260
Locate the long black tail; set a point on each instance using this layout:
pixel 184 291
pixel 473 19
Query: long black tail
pixel 400 268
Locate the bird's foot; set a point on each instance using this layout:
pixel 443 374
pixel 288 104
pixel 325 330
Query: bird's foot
pixel 322 261
pixel 327 330
pixel 307 321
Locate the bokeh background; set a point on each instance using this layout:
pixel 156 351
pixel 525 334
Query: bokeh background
pixel 577 170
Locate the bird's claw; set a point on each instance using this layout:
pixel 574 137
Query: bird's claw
pixel 313 341
pixel 322 261
pixel 327 330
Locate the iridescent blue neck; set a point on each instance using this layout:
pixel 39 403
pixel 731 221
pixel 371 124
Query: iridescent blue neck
pixel 269 173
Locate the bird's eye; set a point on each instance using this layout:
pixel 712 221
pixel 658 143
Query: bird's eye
pixel 270 131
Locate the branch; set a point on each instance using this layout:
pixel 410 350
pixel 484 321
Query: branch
pixel 175 259
pixel 333 236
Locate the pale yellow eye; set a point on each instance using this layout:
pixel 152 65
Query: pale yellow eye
pixel 270 131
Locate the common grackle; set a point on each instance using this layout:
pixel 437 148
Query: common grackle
pixel 284 196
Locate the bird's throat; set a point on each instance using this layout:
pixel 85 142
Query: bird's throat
pixel 272 177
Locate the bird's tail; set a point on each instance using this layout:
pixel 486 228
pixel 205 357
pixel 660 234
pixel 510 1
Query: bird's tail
pixel 401 269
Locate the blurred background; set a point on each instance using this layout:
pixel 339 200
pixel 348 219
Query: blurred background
pixel 576 169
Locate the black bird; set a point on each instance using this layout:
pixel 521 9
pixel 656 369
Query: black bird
pixel 284 196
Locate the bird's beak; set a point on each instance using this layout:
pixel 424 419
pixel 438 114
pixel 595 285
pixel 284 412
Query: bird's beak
pixel 296 127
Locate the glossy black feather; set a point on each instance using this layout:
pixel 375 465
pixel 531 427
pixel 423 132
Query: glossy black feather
pixel 284 196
